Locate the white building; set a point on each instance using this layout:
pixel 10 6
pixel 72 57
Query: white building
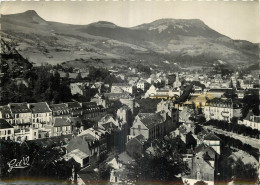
pixel 41 114
pixel 177 83
pixel 122 87
pixel 222 110
pixel 251 121
pixel 142 84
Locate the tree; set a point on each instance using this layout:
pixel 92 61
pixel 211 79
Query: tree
pixel 244 172
pixel 44 160
pixel 164 166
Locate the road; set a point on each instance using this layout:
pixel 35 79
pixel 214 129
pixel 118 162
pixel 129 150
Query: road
pixel 251 141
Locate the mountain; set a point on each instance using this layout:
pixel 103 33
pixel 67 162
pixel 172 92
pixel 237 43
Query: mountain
pixel 184 41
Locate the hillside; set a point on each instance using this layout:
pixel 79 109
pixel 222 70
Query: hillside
pixel 12 63
pixel 182 41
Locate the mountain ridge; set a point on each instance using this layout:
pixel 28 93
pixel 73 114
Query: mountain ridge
pixel 187 41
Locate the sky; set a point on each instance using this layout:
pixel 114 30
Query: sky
pixel 235 19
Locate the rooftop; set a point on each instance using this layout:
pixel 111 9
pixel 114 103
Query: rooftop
pixel 152 120
pixel 40 107
pixel 58 122
pixel 19 108
pixel 4 124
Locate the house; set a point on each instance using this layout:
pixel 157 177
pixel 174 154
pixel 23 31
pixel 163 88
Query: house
pixel 142 84
pixel 134 147
pixel 165 94
pixel 5 113
pixel 122 87
pixel 222 110
pixel 213 141
pixel 99 99
pixel 102 136
pixel 251 121
pixel 108 123
pixel 124 115
pixel 60 110
pixel 6 130
pixel 151 126
pixel 97 86
pixel 78 88
pixel 61 126
pixel 21 115
pixel 170 114
pixel 79 156
pixel 26 134
pixel 201 169
pixel 203 149
pixel 92 111
pixel 151 91
pixel 41 114
pixel 246 84
pixel 117 96
pixel 87 144
pixel 75 108
pixel 77 124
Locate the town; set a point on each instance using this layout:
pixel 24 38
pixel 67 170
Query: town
pixel 130 124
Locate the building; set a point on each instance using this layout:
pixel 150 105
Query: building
pixel 77 124
pixel 134 147
pixel 108 123
pixel 78 88
pixel 251 121
pixel 6 130
pixel 26 134
pixel 41 114
pixel 202 169
pixel 150 125
pixel 60 110
pixel 177 83
pixel 92 111
pixel 5 113
pixel 79 156
pixel 75 108
pixel 61 126
pixel 142 84
pixel 222 110
pixel 213 141
pixel 218 92
pixel 87 144
pixel 21 115
pixel 124 115
pixel 246 84
pixel 123 87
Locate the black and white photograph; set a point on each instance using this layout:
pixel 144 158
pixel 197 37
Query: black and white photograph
pixel 130 92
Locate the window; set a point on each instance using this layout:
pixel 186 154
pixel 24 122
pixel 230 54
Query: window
pixel 139 127
pixel 9 131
